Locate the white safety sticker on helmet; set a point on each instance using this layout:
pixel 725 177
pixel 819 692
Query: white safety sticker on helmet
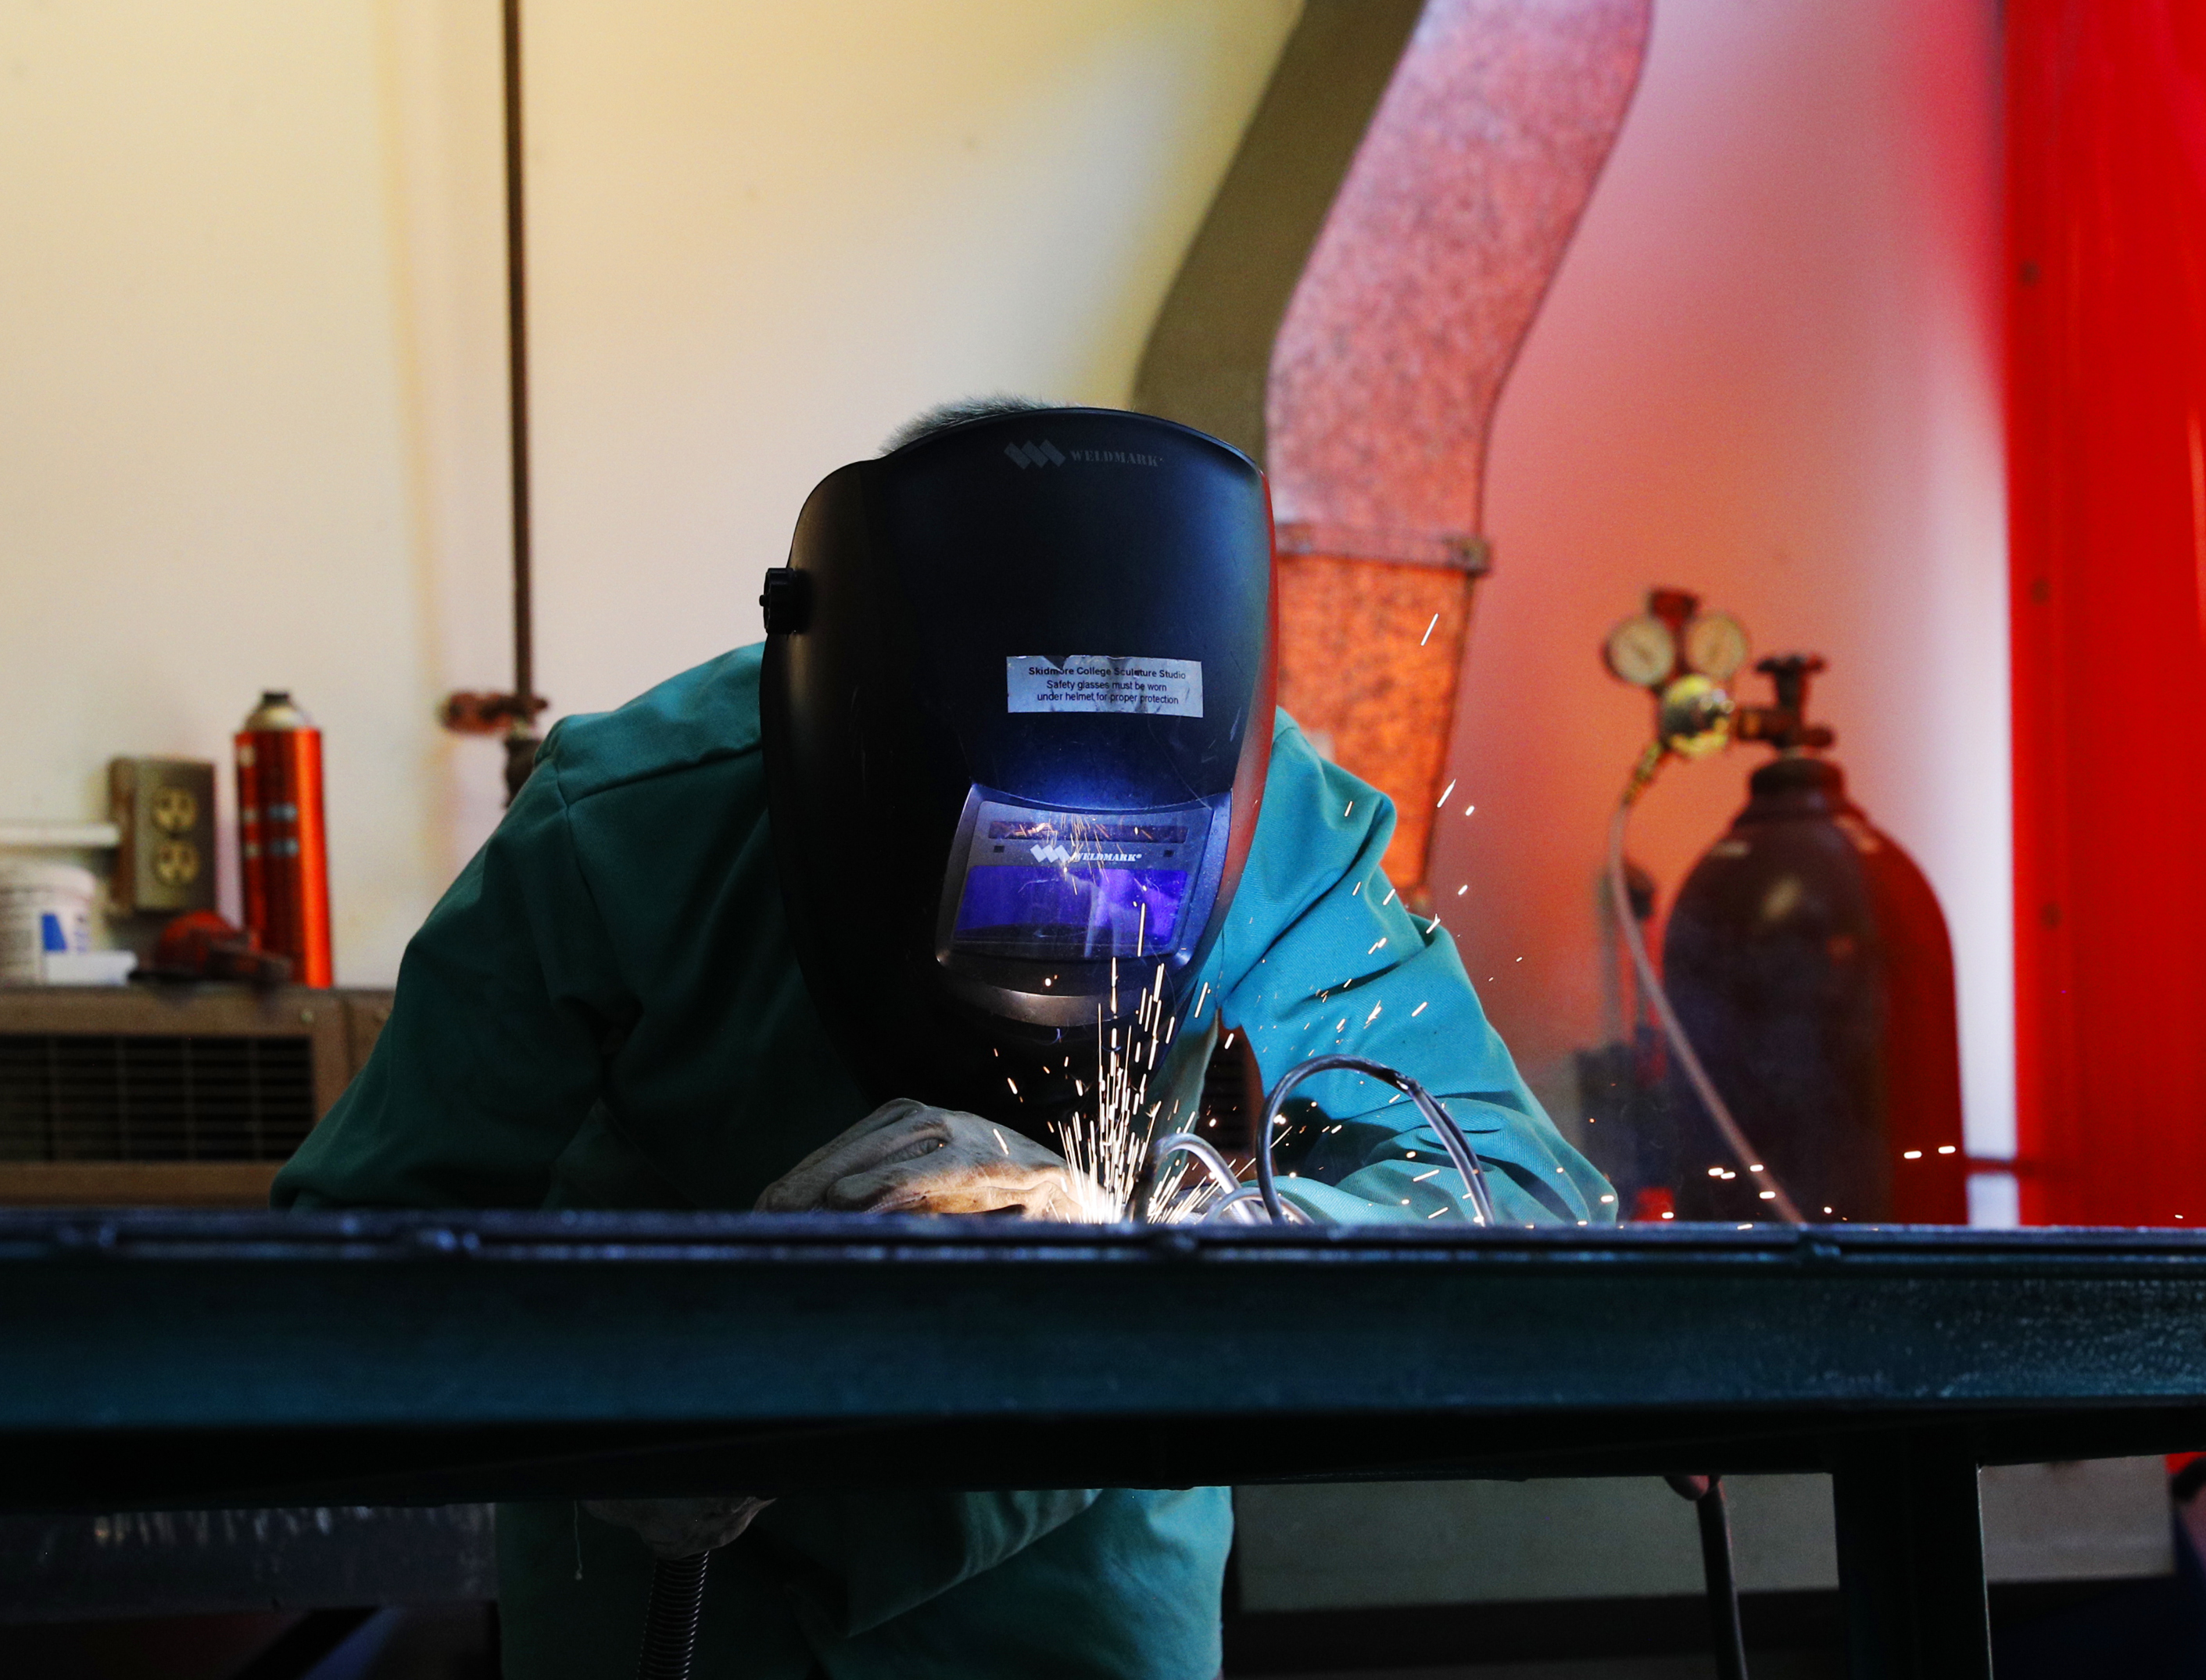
pixel 1103 683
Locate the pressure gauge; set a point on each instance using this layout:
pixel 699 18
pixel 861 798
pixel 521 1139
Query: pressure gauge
pixel 1641 651
pixel 1715 645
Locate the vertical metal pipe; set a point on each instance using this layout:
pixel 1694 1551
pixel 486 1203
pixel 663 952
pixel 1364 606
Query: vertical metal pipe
pixel 521 737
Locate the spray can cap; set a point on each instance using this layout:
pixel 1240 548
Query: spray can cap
pixel 277 711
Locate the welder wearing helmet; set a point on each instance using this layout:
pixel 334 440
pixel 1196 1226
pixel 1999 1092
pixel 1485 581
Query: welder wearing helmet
pixel 839 923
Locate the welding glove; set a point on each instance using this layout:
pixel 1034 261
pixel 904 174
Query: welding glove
pixel 906 1158
pixel 680 1528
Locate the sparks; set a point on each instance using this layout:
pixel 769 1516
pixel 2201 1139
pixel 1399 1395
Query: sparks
pixel 1106 1148
pixel 1421 1008
pixel 1467 809
pixel 1388 899
pixel 1373 951
pixel 1443 800
pixel 1373 1015
pixel 1429 628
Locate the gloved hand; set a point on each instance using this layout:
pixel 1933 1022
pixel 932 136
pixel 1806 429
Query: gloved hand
pixel 680 1528
pixel 906 1158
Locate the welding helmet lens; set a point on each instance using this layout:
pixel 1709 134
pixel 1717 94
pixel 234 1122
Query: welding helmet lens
pixel 1056 887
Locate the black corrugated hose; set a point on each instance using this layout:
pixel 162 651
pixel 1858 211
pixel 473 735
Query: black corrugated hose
pixel 670 1621
pixel 1724 1633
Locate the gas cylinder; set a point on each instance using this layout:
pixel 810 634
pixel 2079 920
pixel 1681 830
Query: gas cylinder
pixel 282 845
pixel 1809 962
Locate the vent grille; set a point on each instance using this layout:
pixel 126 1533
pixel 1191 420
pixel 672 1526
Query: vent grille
pixel 116 1097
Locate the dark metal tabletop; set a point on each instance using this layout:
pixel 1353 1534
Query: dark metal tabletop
pixel 203 1359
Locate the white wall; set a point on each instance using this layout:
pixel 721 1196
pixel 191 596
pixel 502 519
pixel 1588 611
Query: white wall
pixel 251 339
pixel 202 489
pixel 1768 371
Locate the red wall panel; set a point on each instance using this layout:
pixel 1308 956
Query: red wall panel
pixel 2106 354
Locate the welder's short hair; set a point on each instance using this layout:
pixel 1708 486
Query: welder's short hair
pixel 944 415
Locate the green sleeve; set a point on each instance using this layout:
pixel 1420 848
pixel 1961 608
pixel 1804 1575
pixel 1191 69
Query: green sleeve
pixel 507 1000
pixel 1321 957
pixel 853 1560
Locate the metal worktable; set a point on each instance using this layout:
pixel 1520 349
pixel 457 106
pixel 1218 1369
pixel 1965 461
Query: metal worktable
pixel 197 1360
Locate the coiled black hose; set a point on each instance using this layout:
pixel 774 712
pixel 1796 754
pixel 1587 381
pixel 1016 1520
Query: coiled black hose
pixel 1266 1188
pixel 1463 1157
pixel 669 1621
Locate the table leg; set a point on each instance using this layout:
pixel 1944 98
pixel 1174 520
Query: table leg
pixel 1911 1556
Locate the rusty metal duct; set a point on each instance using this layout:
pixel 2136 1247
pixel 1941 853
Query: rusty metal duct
pixel 1421 286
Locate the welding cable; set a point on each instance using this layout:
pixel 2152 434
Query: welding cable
pixel 669 1621
pixel 1179 1143
pixel 1219 1213
pixel 1442 1122
pixel 1249 1196
pixel 1620 895
pixel 1724 1636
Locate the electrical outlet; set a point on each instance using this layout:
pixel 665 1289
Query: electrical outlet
pixel 166 809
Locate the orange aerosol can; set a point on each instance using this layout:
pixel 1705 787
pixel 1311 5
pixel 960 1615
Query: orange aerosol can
pixel 282 846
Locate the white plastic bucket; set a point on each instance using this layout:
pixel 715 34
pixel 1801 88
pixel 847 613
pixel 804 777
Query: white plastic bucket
pixel 43 907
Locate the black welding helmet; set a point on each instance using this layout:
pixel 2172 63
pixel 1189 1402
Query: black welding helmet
pixel 1017 708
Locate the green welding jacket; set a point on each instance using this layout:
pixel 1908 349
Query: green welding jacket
pixel 604 1011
